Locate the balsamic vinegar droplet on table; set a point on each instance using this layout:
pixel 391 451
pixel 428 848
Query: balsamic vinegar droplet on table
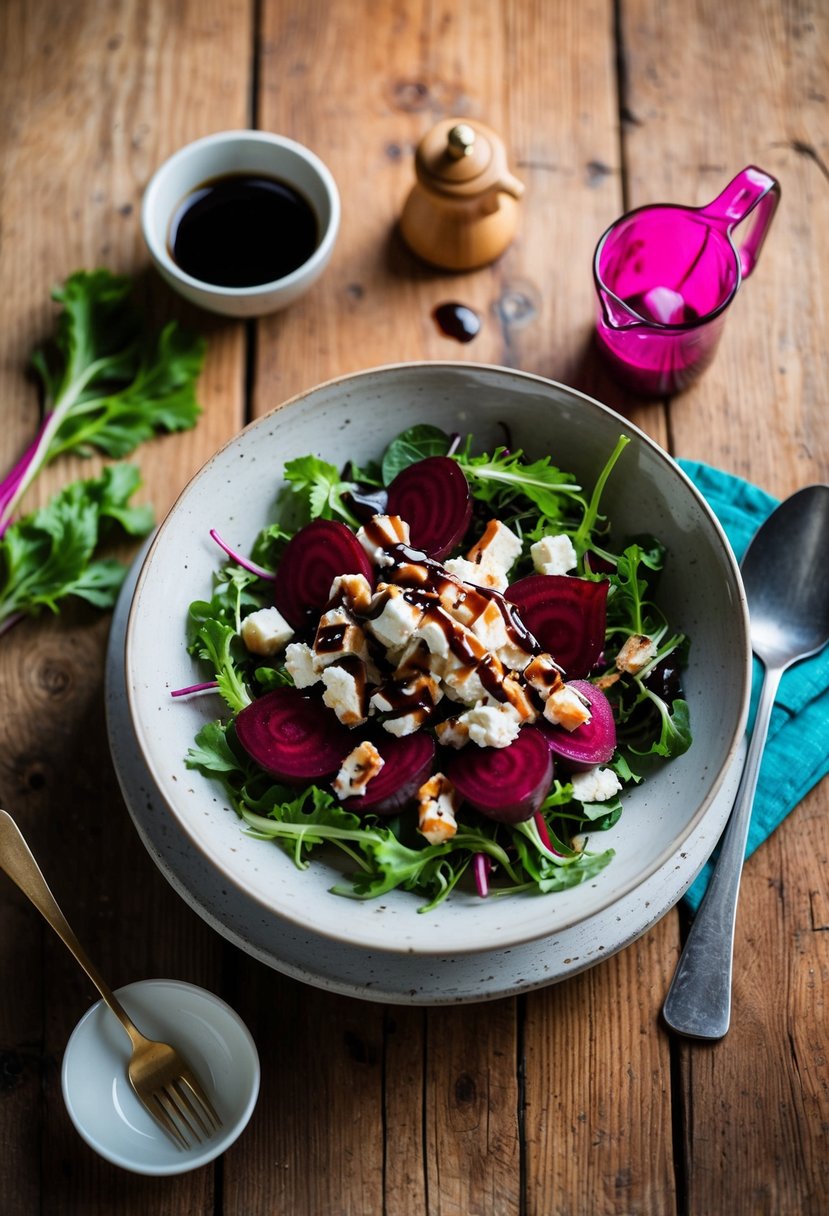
pixel 457 321
pixel 242 230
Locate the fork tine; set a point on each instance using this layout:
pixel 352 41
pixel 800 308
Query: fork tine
pixel 179 1114
pixel 190 1102
pixel 193 1084
pixel 159 1112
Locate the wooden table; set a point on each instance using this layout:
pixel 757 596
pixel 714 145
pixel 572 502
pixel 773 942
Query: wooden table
pixel 572 1099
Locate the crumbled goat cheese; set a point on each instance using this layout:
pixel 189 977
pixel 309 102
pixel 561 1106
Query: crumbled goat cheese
pixel 553 555
pixel 543 674
pixel 488 562
pixel 266 631
pixel 358 768
pixel 595 785
pixel 492 725
pixel 338 635
pixel 636 653
pixel 345 691
pixel 299 663
pixel 498 546
pixel 437 802
pixel 380 533
pixel 354 590
pixel 566 707
pixel 397 619
pixel 452 732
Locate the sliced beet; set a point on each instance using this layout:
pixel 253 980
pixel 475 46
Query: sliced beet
pixel 407 763
pixel 311 561
pixel 504 783
pixel 433 497
pixel 592 743
pixel 292 737
pixel 567 615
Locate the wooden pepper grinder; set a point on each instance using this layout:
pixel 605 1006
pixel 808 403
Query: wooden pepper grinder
pixel 462 211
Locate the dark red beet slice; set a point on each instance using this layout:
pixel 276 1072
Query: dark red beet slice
pixel 311 561
pixel 292 737
pixel 592 743
pixel 504 783
pixel 566 615
pixel 408 763
pixel 433 497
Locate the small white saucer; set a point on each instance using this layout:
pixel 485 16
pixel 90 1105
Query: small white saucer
pixel 101 1102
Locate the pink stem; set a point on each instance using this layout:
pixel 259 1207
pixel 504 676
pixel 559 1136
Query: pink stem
pixel 481 866
pixel 541 824
pixel 244 562
pixel 192 689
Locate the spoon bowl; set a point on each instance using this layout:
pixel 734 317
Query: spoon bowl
pixel 786 579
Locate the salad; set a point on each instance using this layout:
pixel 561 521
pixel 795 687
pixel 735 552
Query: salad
pixel 445 665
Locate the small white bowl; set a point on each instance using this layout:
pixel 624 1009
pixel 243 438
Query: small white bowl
pixel 240 152
pixel 101 1102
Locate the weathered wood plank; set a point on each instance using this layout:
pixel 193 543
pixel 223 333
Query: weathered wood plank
pixel 315 1143
pixel 756 1104
pixel 526 69
pixel 93 98
pixel 598 1113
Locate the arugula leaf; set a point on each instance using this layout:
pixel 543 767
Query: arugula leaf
pixel 211 752
pixel 491 477
pixel 675 733
pixel 319 488
pixel 50 555
pixel 412 445
pixel 582 535
pixel 215 642
pixel 107 384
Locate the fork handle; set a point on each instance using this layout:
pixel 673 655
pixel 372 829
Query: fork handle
pixel 18 862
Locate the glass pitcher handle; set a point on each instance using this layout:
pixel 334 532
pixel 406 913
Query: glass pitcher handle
pixel 749 190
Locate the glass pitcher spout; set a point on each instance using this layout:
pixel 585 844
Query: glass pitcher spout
pixel 617 314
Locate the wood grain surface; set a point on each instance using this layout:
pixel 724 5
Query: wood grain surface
pixel 572 1099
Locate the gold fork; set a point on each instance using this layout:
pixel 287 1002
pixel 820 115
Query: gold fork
pixel 161 1078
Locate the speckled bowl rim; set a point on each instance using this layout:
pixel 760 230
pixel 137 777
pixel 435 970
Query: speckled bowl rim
pixel 455 926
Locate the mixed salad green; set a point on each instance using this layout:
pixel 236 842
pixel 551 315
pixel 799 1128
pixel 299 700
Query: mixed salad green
pixel 544 845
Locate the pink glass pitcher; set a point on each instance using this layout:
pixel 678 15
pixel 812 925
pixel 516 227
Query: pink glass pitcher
pixel 665 276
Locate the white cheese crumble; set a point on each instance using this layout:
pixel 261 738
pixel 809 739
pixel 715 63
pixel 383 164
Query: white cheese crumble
pixel 636 653
pixel 379 533
pixel 566 707
pixel 344 692
pixel 553 555
pixel 397 619
pixel 299 663
pixel 595 784
pixel 437 802
pixel 492 725
pixel 358 768
pixel 266 631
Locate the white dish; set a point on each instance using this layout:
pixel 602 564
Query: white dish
pixel 101 1102
pixel 700 591
pixel 355 417
pixel 405 979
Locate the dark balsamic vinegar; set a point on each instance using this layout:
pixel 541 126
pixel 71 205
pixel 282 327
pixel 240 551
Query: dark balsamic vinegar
pixel 242 230
pixel 457 321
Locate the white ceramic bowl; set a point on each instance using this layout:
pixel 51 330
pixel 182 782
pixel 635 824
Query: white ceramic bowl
pixel 240 152
pixel 355 417
pixel 101 1102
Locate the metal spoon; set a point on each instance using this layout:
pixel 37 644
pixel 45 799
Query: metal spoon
pixel 786 575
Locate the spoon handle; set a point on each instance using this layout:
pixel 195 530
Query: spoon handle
pixel 698 1003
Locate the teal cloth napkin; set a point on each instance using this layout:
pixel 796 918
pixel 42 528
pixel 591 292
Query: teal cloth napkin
pixel 797 753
